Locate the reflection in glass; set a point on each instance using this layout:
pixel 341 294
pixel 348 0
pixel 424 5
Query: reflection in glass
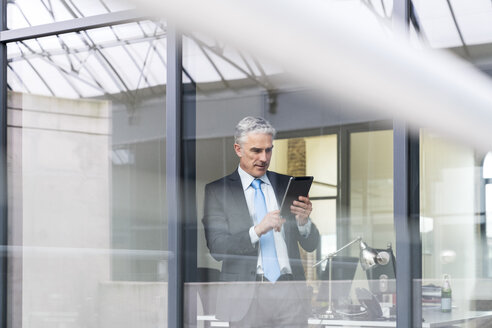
pixel 487 166
pixel 313 139
pixel 455 24
pixel 87 181
pixel 25 13
pixel 320 160
pixel 91 63
pixel 371 186
pixel 454 229
pixel 487 178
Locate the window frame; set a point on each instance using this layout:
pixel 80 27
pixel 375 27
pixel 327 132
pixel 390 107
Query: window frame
pixel 180 160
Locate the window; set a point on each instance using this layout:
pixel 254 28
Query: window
pixel 86 118
pixel 487 179
pixel 451 219
pixel 349 156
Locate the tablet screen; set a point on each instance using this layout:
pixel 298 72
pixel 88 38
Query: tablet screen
pixel 298 186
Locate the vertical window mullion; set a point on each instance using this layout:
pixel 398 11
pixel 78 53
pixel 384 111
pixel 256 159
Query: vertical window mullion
pixel 3 170
pixel 173 177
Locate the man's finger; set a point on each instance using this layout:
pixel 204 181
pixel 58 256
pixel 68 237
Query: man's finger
pixel 297 209
pixel 298 204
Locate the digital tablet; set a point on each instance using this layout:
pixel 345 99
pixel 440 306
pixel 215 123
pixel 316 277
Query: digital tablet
pixel 298 186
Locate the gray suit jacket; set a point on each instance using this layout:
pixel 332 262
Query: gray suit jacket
pixel 227 223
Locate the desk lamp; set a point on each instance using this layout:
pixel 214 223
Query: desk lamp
pixel 368 258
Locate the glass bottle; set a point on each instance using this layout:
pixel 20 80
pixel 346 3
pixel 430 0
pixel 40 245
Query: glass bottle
pixel 446 294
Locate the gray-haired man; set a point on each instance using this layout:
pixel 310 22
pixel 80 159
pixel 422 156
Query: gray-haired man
pixel 244 230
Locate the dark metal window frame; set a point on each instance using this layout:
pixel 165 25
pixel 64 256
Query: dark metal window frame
pixel 406 198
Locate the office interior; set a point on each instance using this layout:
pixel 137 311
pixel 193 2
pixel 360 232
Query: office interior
pixel 104 170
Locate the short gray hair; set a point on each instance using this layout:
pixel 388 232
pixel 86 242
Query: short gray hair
pixel 251 124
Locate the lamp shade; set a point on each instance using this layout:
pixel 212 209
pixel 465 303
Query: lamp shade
pixel 368 256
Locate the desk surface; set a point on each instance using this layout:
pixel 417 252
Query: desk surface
pixel 432 319
pixel 350 323
pixel 436 318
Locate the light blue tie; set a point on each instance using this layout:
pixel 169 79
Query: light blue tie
pixel 271 269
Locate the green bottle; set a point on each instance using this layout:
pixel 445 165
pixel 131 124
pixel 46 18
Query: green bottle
pixel 446 294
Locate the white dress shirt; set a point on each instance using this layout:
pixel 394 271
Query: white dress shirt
pixel 272 205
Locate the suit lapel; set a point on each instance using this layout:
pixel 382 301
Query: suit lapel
pixel 278 186
pixel 237 192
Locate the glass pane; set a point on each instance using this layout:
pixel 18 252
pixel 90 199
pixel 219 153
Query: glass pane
pixel 455 24
pixel 87 184
pixel 371 186
pixel 454 225
pixel 320 160
pixel 488 227
pixel 25 13
pixel 92 63
pixel 319 138
pixel 487 166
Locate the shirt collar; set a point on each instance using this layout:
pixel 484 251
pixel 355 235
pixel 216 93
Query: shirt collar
pixel 247 178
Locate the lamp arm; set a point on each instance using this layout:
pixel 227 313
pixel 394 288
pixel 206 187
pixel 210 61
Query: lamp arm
pixel 331 255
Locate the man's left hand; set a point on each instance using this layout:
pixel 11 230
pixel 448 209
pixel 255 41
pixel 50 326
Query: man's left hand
pixel 302 209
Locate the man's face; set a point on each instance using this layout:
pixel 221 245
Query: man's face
pixel 255 153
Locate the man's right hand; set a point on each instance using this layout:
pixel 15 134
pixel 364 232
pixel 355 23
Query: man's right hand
pixel 271 221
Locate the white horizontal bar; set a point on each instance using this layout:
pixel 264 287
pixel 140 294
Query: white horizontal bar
pixel 72 25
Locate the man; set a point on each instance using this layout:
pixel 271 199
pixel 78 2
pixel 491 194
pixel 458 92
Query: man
pixel 244 230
